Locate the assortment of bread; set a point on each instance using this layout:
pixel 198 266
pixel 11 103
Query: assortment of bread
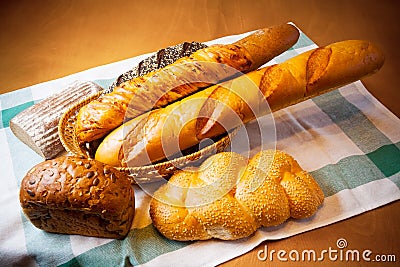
pixel 185 76
pixel 163 132
pixel 213 90
pixel 229 197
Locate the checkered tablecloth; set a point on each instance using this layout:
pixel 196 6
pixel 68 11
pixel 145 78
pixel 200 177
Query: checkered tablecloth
pixel 347 140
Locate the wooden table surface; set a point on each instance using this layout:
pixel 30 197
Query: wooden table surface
pixel 43 40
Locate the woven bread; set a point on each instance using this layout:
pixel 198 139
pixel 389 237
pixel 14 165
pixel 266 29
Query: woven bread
pixel 229 197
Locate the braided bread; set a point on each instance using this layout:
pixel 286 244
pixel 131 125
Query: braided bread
pixel 229 197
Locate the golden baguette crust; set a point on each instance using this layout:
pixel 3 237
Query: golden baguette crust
pixel 132 144
pixel 163 132
pixel 72 195
pixel 304 76
pixel 222 107
pixel 185 76
pixel 229 198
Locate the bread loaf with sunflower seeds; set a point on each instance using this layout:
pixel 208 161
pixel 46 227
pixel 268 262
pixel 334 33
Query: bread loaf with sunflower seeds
pixel 73 195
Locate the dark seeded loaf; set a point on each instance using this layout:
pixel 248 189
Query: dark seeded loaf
pixel 72 195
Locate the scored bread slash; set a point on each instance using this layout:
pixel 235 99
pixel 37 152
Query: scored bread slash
pixel 37 126
pixel 158 60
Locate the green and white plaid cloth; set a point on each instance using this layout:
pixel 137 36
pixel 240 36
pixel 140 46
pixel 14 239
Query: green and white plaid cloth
pixel 347 139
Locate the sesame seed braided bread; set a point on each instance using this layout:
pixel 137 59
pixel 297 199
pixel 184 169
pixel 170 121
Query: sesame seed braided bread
pixel 229 197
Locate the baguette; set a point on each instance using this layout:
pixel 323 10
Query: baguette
pixel 72 195
pixel 225 198
pixel 187 75
pixel 158 60
pixel 219 108
pixel 302 77
pixel 166 124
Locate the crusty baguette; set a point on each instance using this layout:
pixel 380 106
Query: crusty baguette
pixel 72 195
pixel 163 132
pixel 213 111
pixel 305 76
pixel 126 145
pixel 226 197
pixel 181 78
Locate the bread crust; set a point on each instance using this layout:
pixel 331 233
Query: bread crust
pixel 73 195
pixel 182 78
pixel 37 126
pixel 222 107
pixel 304 76
pixel 229 197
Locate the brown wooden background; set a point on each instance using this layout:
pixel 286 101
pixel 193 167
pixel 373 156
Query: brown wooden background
pixel 43 40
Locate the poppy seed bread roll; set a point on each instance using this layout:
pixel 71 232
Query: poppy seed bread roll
pixel 72 195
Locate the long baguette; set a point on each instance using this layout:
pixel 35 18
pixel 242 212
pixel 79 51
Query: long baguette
pixel 146 138
pixel 186 76
pixel 305 76
pixel 213 111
